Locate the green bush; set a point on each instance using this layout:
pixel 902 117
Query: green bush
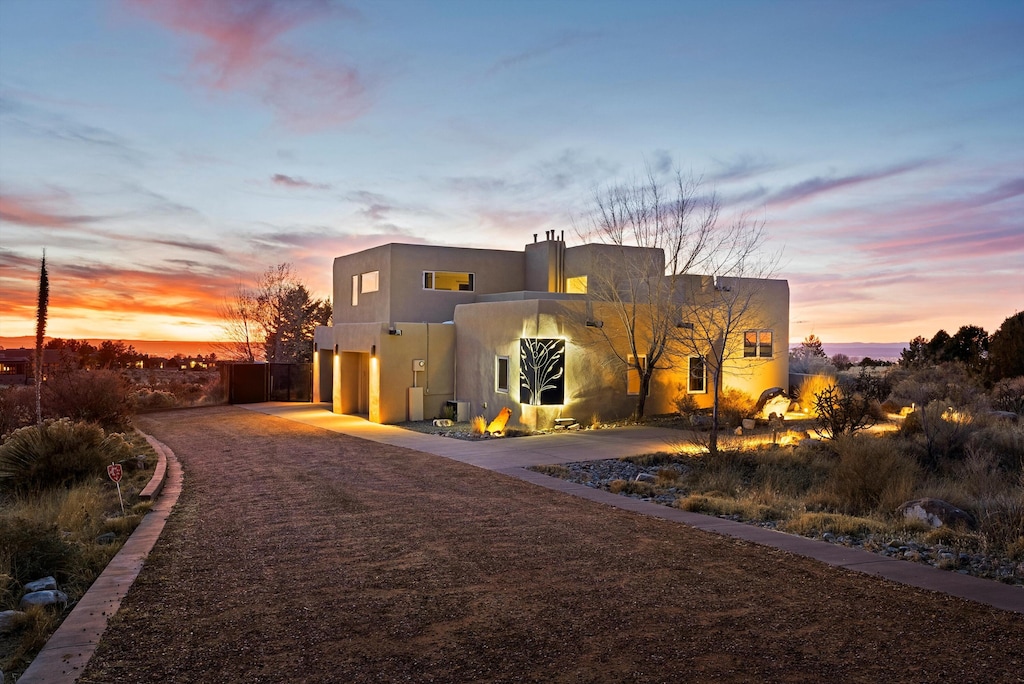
pixel 57 453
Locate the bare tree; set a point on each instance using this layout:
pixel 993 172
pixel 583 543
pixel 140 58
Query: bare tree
pixel 239 329
pixel 274 321
pixel 659 237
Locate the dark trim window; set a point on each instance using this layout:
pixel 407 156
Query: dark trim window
pixel 501 373
pixel 757 344
pixel 448 281
pixel 697 382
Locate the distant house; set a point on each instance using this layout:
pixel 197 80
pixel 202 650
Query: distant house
pixel 420 327
pixel 16 365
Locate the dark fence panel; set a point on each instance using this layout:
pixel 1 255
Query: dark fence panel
pixel 291 381
pixel 246 383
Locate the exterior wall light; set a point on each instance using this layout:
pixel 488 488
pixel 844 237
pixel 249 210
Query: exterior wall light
pixel 373 351
pixel 595 324
pixel 393 331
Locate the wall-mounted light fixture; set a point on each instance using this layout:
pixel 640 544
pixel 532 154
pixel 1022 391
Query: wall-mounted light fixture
pixel 373 351
pixel 335 349
pixel 316 347
pixel 684 325
pixel 595 324
pixel 393 331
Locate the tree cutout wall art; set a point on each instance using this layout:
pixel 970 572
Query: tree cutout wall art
pixel 542 371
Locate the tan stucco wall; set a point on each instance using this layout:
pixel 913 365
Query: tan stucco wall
pixel 401 296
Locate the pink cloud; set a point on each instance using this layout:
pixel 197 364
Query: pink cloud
pixel 237 45
pixel 293 182
pixel 24 212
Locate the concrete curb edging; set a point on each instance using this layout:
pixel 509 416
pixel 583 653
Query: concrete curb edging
pixel 65 655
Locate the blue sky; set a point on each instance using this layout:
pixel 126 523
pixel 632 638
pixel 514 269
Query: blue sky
pixel 163 152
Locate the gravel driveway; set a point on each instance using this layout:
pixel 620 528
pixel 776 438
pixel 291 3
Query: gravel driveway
pixel 301 555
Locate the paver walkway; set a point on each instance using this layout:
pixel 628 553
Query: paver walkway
pixel 514 456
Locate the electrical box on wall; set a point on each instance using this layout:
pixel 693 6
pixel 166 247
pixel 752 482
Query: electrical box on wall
pixel 419 364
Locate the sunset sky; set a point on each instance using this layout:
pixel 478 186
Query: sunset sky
pixel 162 152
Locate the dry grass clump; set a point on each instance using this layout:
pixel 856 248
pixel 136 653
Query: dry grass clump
pixel 559 471
pixel 478 425
pixel 632 488
pixel 814 524
pixel 724 506
pixel 811 388
pixel 872 475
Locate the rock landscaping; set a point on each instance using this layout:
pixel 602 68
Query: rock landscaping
pixel 610 474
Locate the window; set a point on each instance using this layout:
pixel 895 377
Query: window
pixel 355 290
pixel 371 281
pixel 577 285
pixel 633 376
pixel 757 343
pixel 501 374
pixel 447 280
pixel 698 376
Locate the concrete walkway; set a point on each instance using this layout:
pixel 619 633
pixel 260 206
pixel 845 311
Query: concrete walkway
pixel 513 457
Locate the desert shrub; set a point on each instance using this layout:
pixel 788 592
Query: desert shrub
pixel 812 387
pixel 57 453
pixel 872 474
pixel 214 392
pixel 99 396
pixel 790 472
pixel 1005 442
pixel 631 488
pixel 448 412
pixel 1001 524
pixel 733 406
pixel 17 407
pixel 686 404
pixel 950 383
pixel 809 524
pixel 147 399
pixel 838 413
pixel 1008 395
pixel 36 549
pixel 649 460
pixel 940 432
pixel 872 386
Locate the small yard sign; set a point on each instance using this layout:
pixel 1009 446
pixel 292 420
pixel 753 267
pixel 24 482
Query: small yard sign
pixel 115 471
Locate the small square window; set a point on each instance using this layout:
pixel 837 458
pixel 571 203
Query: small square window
pixel 501 374
pixel 757 343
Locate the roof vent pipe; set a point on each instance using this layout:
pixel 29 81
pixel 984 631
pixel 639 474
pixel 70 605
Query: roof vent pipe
pixel 535 237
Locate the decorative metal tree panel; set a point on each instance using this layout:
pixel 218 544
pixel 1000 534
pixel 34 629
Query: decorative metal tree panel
pixel 541 371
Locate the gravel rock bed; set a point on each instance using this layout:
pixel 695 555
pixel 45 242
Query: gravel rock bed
pixel 600 474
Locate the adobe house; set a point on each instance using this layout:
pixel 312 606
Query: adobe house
pixel 419 327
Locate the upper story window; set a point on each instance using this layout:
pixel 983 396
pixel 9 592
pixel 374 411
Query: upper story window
pixel 371 281
pixel 576 285
pixel 697 381
pixel 757 343
pixel 364 282
pixel 448 280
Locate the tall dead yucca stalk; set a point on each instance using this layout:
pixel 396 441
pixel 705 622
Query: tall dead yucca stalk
pixel 44 300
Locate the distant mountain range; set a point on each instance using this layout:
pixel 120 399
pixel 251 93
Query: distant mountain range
pixel 880 351
pixel 161 348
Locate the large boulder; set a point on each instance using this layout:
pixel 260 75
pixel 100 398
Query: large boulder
pixel 43 598
pixel 936 513
pixel 778 406
pixel 44 584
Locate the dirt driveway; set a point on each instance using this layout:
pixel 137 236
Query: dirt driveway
pixel 300 555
